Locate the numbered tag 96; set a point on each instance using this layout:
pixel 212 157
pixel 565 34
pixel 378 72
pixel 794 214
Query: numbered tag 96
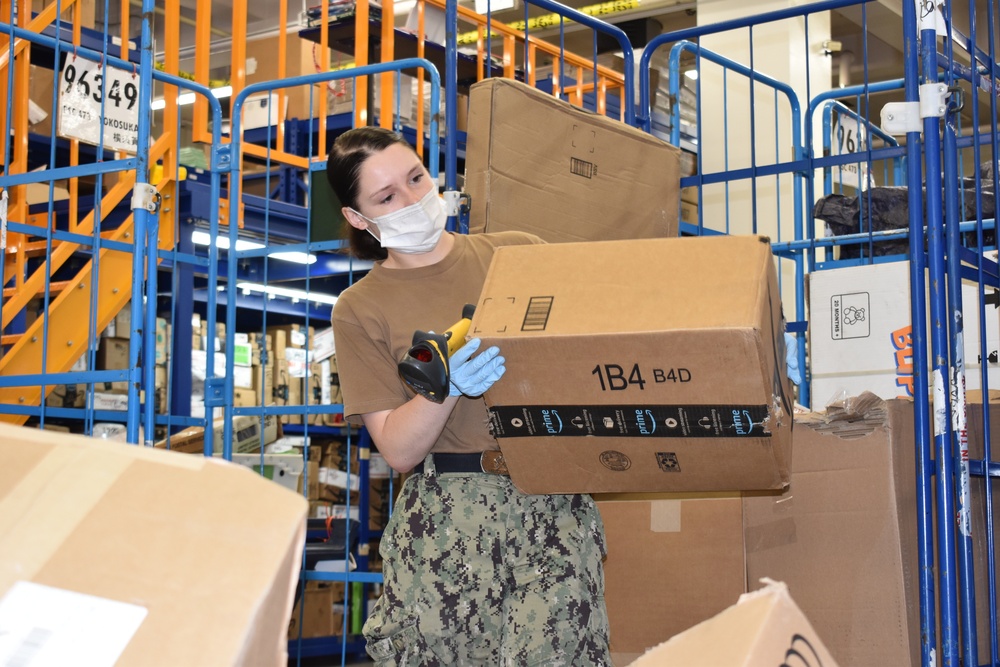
pixel 88 90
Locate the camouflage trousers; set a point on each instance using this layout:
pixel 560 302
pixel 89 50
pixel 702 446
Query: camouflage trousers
pixel 478 573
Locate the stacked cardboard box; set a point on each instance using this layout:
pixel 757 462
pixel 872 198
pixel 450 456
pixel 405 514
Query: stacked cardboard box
pixel 860 333
pixel 226 588
pixel 673 561
pixel 247 436
pixel 843 536
pixel 689 205
pixel 318 612
pixel 763 628
pixel 563 173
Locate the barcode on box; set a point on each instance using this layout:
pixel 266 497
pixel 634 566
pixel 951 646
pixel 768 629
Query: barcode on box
pixel 537 315
pixel 29 648
pixel 582 167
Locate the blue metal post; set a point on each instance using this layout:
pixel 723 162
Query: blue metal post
pixel 925 512
pixel 140 216
pixel 960 433
pixel 181 332
pixel 939 349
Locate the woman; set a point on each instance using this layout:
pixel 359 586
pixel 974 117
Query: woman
pixel 476 572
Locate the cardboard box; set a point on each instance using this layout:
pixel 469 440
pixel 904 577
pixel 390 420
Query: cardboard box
pixel 246 436
pixel 622 379
pixel 689 213
pixel 860 335
pixel 244 398
pixel 216 565
pixel 322 345
pixel 537 164
pixel 283 469
pixel 112 354
pixel 851 508
pixel 263 381
pixel 764 627
pixel 67 396
pixel 313 611
pixel 673 561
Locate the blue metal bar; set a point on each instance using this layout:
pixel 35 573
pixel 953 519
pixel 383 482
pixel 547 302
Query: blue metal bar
pixel 365 577
pixel 451 100
pixel 330 409
pixel 939 350
pixel 72 377
pixel 57 173
pixel 959 442
pixel 81 239
pixel 140 216
pixel 986 466
pixel 984 469
pixel 863 237
pixel 46 297
pixel 925 534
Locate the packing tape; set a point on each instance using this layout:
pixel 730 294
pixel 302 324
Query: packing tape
pixel 665 516
pixel 32 526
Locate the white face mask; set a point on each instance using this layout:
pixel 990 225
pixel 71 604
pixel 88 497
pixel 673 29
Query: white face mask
pixel 414 229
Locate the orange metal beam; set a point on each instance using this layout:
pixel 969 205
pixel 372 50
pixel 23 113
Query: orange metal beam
pixel 238 71
pixel 276 156
pixel 421 49
pixel 388 55
pixel 202 54
pixel 360 60
pixel 324 63
pixel 54 287
pixel 282 65
pixel 172 45
pixel 123 31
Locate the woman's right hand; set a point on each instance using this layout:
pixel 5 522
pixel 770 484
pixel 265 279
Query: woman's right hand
pixel 473 376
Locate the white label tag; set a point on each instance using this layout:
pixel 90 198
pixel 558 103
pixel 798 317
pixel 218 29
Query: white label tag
pixel 43 626
pixel 82 84
pixel 850 138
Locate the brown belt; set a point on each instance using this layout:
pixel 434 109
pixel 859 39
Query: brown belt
pixel 491 462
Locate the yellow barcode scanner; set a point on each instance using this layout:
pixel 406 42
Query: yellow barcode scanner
pixel 425 366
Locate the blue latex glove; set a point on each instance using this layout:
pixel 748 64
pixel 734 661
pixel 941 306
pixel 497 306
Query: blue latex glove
pixel 792 358
pixel 472 377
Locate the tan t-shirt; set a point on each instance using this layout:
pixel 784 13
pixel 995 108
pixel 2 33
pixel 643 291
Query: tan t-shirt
pixel 374 321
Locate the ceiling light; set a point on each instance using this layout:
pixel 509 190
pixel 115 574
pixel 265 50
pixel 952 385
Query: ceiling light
pixel 189 98
pixel 294 294
pixel 222 242
pixel 297 257
pixel 692 74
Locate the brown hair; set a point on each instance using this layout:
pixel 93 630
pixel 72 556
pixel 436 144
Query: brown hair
pixel 343 169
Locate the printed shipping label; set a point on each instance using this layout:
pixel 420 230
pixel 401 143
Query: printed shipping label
pixel 42 625
pixel 630 421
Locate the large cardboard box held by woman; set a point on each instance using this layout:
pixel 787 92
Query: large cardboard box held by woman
pixel 642 365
